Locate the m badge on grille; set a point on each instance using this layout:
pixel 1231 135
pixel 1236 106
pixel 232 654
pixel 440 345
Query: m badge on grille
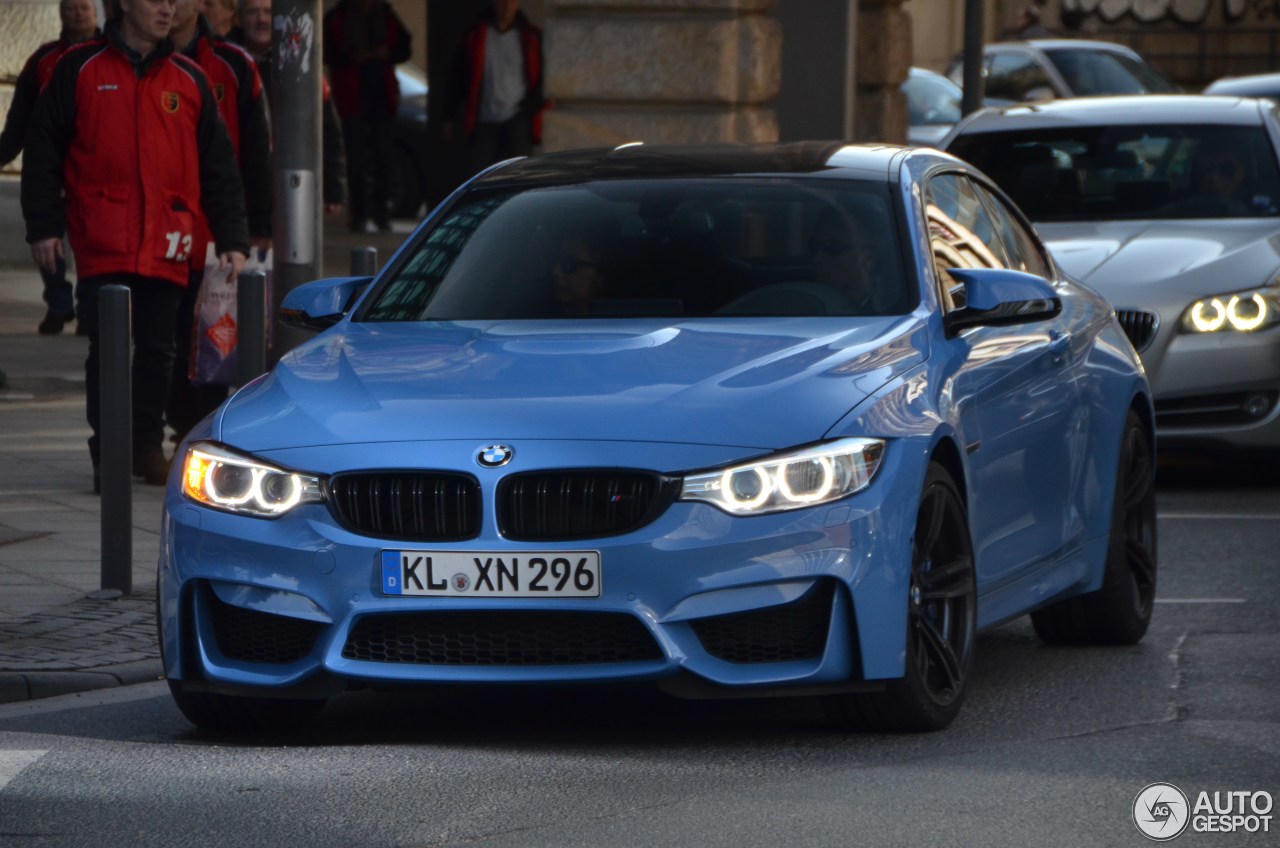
pixel 494 456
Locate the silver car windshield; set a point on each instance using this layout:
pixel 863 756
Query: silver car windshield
pixel 674 247
pixel 1095 72
pixel 1129 172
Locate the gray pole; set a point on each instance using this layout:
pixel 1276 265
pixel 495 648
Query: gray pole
pixel 115 431
pixel 298 37
pixel 973 85
pixel 251 325
pixel 364 261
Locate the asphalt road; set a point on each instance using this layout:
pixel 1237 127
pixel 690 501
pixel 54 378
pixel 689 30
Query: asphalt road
pixel 1052 747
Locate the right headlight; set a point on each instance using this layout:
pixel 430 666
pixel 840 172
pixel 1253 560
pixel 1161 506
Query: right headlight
pixel 794 480
pixel 1243 312
pixel 222 479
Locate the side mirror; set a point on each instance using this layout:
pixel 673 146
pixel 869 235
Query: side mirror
pixel 320 304
pixel 998 296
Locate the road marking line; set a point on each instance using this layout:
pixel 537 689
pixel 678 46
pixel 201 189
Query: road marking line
pixel 1200 600
pixel 13 762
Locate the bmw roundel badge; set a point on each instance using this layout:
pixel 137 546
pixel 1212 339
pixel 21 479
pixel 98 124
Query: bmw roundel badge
pixel 494 456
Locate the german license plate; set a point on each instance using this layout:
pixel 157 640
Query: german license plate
pixel 506 574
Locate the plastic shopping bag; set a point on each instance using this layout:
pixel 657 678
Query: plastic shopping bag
pixel 213 355
pixel 213 360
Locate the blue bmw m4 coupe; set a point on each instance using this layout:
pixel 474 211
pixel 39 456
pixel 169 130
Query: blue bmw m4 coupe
pixel 790 419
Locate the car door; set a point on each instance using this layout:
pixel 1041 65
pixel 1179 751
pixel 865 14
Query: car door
pixel 1014 390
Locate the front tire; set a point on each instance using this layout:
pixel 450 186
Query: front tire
pixel 1119 612
pixel 941 623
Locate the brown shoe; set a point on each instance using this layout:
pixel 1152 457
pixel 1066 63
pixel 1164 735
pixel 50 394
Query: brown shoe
pixel 151 466
pixel 54 322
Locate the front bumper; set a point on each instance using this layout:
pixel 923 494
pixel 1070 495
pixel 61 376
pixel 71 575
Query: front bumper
pixel 1220 388
pixel 810 598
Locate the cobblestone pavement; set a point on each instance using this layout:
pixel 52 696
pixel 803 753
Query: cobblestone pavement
pixel 58 634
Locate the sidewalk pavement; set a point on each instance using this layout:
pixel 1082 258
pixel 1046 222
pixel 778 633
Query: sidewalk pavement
pixel 58 635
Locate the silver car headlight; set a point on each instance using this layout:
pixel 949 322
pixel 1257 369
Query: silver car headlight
pixel 794 480
pixel 219 478
pixel 1244 312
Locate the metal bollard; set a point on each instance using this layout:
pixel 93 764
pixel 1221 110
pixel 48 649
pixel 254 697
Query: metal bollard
pixel 115 392
pixel 251 325
pixel 364 261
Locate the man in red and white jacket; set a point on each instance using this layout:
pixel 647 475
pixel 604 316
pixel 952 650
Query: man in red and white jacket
pixel 237 88
pixel 495 86
pixel 79 23
pixel 130 132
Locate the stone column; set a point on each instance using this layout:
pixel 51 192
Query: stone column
pixel 884 58
pixel 660 71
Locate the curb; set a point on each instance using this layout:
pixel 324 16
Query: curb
pixel 18 686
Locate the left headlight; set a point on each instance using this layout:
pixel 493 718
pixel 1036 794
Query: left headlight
pixel 1244 312
pixel 795 480
pixel 221 479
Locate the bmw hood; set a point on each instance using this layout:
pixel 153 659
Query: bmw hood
pixel 1122 259
pixel 759 383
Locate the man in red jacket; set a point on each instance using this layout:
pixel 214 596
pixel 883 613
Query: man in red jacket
pixel 79 23
pixel 131 134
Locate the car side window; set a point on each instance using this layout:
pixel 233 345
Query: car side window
pixel 962 234
pixel 1012 75
pixel 1020 245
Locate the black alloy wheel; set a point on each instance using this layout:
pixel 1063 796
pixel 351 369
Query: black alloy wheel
pixel 941 616
pixel 941 624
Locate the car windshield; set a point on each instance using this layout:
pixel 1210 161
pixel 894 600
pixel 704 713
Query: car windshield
pixel 932 100
pixel 1094 72
pixel 1153 172
pixel 676 247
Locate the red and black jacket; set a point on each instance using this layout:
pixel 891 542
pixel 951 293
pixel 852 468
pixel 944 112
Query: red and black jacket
pixel 462 97
pixel 35 73
pixel 138 147
pixel 237 89
pixel 345 30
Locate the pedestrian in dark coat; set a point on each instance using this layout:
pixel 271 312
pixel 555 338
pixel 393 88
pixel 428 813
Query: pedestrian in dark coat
pixel 79 23
pixel 126 152
pixel 363 42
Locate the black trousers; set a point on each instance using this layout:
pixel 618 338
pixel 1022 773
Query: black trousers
pixel 368 140
pixel 188 403
pixel 154 311
pixel 495 142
